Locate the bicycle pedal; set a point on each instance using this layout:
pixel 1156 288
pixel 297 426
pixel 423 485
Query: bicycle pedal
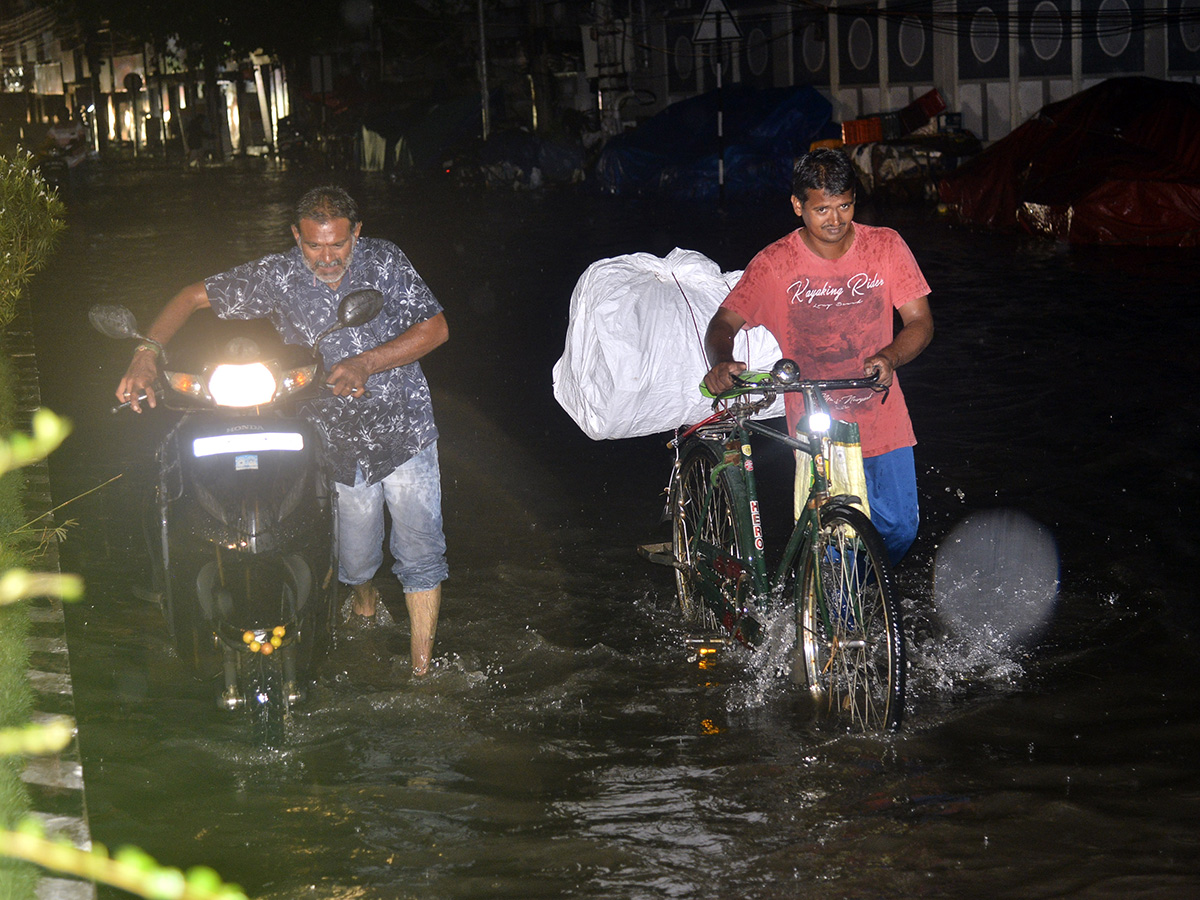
pixel 708 642
pixel 704 650
pixel 659 554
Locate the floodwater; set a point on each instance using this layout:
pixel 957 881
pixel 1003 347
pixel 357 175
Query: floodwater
pixel 565 745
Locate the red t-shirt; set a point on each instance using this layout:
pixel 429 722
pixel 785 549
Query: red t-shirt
pixel 831 314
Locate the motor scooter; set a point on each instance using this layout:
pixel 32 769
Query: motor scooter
pixel 55 161
pixel 54 165
pixel 243 554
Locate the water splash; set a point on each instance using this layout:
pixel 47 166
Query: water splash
pixel 947 668
pixel 768 666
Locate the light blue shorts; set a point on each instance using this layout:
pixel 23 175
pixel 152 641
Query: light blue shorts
pixel 413 493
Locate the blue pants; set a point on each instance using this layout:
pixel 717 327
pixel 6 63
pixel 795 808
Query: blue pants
pixel 892 493
pixel 413 493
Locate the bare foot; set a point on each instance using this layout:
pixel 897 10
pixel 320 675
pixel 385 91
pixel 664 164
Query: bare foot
pixel 423 607
pixel 365 600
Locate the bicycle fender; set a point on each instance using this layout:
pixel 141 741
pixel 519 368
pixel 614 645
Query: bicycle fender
pixel 845 500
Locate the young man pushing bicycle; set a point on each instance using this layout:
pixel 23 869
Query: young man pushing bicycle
pixel 828 293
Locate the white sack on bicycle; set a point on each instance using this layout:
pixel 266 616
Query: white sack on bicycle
pixel 634 355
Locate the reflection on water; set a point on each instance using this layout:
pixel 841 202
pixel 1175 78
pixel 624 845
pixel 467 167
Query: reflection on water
pixel 565 745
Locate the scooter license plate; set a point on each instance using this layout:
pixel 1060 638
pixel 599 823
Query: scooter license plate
pixel 250 442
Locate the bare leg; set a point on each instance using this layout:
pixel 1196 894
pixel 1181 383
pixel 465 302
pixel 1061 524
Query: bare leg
pixel 423 609
pixel 365 599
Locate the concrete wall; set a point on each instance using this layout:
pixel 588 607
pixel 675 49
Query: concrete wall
pixel 997 62
pixel 55 783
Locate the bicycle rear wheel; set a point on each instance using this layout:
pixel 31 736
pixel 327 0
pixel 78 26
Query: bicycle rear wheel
pixel 848 625
pixel 701 513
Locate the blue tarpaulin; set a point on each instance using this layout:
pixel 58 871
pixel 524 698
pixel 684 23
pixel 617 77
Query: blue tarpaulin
pixel 674 154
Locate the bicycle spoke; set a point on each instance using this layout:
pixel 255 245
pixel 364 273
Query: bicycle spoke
pixel 702 520
pixel 849 627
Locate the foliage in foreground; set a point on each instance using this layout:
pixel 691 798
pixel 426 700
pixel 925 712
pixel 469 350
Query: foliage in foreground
pixel 33 217
pixel 129 869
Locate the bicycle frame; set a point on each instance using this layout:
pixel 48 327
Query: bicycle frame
pixel 732 429
pixel 849 630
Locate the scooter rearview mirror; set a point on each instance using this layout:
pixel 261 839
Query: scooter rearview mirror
pixel 359 307
pixel 113 321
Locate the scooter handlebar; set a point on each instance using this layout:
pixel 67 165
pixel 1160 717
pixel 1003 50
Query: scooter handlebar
pixel 365 392
pixel 126 404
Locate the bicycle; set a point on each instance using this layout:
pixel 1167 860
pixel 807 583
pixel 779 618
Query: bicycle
pixel 834 569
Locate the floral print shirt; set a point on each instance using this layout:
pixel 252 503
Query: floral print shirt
pixel 373 434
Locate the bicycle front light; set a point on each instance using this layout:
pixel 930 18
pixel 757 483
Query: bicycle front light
pixel 251 384
pixel 819 422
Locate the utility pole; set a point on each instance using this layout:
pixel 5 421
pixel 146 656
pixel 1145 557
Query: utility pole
pixel 714 26
pixel 483 75
pixel 609 68
pixel 720 112
pixel 539 71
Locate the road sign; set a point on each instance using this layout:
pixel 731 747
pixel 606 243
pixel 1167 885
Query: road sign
pixel 716 24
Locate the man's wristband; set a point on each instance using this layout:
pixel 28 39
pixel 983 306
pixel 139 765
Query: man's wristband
pixel 153 346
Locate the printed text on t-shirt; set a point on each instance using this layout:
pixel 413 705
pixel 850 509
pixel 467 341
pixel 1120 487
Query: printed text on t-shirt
pixel 827 295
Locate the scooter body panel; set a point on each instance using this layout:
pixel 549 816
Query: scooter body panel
pixel 247 528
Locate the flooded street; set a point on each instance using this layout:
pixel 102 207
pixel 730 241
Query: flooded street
pixel 565 746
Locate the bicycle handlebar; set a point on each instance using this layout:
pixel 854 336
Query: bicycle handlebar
pixel 784 379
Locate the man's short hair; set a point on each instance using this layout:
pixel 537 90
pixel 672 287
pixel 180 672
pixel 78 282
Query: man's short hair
pixel 325 203
pixel 824 170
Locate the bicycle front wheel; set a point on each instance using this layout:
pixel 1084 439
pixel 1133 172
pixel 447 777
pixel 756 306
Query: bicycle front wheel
pixel 701 516
pixel 848 625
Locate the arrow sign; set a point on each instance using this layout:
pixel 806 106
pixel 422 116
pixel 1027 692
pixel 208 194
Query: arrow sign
pixel 716 24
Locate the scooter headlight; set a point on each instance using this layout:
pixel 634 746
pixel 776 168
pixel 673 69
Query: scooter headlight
pixel 251 384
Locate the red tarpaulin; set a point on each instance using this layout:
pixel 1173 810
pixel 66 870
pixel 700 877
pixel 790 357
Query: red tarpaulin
pixel 1118 163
